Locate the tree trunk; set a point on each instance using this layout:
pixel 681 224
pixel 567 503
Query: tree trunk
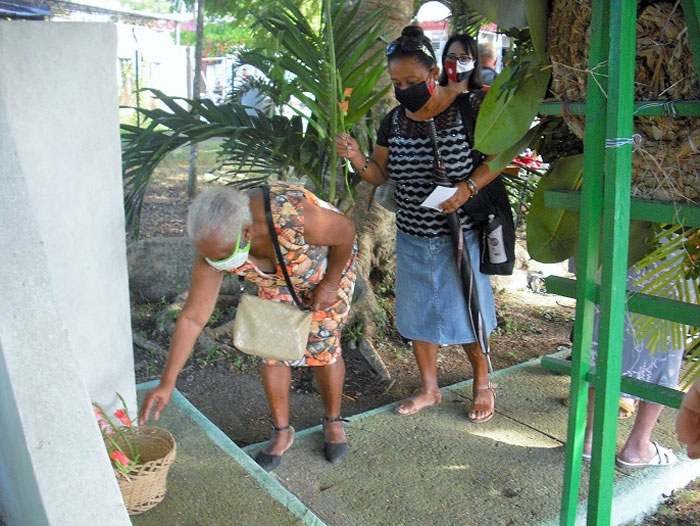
pixel 375 226
pixel 192 174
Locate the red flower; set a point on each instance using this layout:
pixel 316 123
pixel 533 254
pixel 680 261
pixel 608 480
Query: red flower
pixel 120 460
pixel 344 106
pixel 348 92
pixel 528 160
pixel 121 415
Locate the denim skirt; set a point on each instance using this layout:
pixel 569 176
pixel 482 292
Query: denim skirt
pixel 430 305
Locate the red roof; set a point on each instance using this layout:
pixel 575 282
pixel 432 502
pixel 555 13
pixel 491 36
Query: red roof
pixel 433 25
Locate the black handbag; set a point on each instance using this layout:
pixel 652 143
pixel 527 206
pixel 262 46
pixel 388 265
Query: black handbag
pixel 490 208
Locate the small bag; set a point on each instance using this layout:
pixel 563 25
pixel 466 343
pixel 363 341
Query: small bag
pixel 271 329
pixel 491 212
pixel 490 204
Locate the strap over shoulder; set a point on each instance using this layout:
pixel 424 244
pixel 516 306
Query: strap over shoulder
pixel 469 106
pixel 276 244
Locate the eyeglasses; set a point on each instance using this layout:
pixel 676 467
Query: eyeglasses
pixel 408 44
pixel 463 59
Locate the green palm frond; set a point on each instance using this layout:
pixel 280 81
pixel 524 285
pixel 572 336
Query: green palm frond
pixel 464 19
pixel 256 142
pixel 671 279
pixel 312 64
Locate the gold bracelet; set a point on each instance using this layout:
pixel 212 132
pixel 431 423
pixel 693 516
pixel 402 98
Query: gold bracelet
pixel 473 190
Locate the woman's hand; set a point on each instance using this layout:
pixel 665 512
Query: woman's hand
pixel 461 196
pixel 323 296
pixel 346 146
pixel 160 396
pixel 688 420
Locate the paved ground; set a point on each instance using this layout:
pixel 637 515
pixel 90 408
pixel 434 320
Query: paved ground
pixel 432 468
pixel 213 483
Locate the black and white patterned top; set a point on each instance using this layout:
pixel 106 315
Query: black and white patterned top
pixel 410 165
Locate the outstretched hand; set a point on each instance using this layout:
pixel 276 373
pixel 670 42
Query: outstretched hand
pixel 160 396
pixel 688 420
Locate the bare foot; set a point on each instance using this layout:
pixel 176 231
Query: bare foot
pixel 483 406
pixel 412 405
pixel 280 442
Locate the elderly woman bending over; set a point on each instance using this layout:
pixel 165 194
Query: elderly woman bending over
pixel 231 234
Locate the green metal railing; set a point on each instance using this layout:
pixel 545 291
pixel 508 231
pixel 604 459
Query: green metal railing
pixel 606 193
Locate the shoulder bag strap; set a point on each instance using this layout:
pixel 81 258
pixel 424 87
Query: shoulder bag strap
pixel 276 244
pixel 439 170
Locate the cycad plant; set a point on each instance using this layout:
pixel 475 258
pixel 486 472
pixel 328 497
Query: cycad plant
pixel 676 276
pixel 331 68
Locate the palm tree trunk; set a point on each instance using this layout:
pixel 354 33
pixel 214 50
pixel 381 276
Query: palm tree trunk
pixel 192 174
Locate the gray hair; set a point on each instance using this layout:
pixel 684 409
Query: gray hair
pixel 486 50
pixel 218 213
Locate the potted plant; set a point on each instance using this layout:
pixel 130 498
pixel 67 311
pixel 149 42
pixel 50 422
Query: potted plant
pixel 141 457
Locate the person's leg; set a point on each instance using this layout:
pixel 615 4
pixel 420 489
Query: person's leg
pixel 638 447
pixel 484 398
pixel 276 380
pixel 331 379
pixel 426 357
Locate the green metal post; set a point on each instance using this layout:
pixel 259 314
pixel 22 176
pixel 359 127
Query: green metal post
pixel 616 219
pixel 691 11
pixel 592 195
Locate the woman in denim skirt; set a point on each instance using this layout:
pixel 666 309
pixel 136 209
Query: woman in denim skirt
pixel 430 307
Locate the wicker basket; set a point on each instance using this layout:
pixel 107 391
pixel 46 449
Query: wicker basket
pixel 144 487
pixel 666 164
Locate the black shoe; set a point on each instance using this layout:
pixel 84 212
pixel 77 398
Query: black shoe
pixel 335 453
pixel 270 462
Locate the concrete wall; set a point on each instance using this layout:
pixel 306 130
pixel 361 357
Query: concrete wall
pixel 65 332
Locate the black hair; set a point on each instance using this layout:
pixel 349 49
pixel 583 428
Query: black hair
pixel 475 81
pixel 414 44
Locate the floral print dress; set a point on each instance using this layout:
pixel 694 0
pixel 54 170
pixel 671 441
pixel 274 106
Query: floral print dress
pixel 306 265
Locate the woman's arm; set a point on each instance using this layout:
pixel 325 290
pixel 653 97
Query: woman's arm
pixel 372 169
pixel 325 227
pixel 201 300
pixel 480 177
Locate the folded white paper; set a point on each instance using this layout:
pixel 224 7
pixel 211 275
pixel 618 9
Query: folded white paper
pixel 438 196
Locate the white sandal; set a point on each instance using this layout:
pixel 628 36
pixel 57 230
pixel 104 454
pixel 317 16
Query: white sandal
pixel 663 457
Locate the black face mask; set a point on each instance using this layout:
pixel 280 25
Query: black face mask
pixel 414 97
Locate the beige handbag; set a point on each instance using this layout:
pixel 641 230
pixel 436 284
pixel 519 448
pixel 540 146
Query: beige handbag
pixel 271 329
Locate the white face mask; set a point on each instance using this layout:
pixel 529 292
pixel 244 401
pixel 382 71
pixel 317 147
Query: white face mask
pixel 465 67
pixel 235 260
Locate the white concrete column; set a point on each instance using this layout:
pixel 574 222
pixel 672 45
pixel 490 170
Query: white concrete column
pixel 65 334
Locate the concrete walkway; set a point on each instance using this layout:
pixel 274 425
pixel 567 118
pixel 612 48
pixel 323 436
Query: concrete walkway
pixel 433 468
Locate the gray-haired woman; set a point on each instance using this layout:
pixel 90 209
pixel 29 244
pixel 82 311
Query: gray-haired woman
pixel 231 234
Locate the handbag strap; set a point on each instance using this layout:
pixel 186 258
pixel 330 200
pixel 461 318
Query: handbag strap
pixel 276 244
pixel 439 170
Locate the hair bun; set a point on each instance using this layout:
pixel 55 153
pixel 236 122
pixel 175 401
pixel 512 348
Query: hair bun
pixel 412 32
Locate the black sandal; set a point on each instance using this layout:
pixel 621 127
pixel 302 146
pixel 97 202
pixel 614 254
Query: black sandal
pixel 269 462
pixel 335 453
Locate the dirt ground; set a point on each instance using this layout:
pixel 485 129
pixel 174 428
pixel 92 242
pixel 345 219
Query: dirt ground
pixel 227 388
